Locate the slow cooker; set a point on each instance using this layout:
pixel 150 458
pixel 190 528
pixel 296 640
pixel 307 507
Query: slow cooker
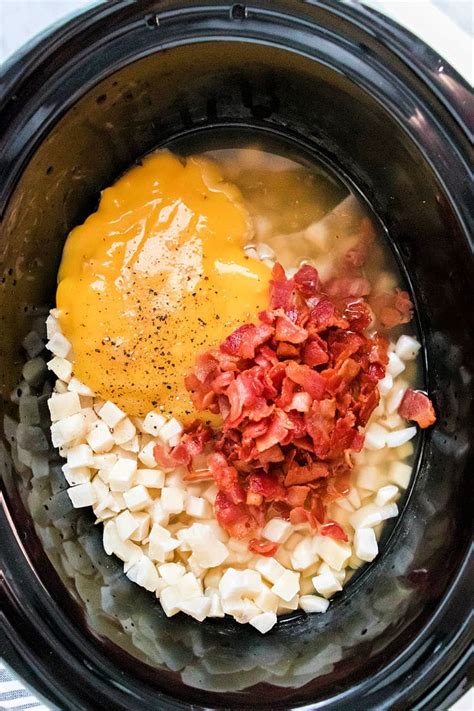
pixel 79 105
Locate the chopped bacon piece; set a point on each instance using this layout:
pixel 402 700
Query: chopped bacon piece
pixel 310 380
pixel 418 407
pixel 266 548
pixel 307 280
pixel 334 530
pixel 244 340
pixel 286 330
pixel 315 352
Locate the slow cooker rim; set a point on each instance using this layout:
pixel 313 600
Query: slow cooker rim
pixel 95 13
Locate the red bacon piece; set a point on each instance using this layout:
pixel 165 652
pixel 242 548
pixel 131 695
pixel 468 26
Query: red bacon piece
pixel 417 406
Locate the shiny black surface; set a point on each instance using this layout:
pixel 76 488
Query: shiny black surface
pixel 79 107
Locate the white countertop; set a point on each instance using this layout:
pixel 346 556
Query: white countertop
pixel 446 25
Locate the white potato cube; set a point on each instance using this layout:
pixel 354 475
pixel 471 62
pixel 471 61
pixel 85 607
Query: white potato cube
pixel 365 544
pixel 395 365
pixel 171 572
pixel 172 500
pixel 400 474
pixel 210 494
pixel 111 414
pixel 82 495
pixel 389 511
pixel 137 498
pixel 147 457
pixel 208 552
pixel 277 530
pixel 65 431
pixel 60 387
pixel 64 405
pixel 215 609
pixel 366 517
pixel 266 600
pixel 399 437
pixel 52 326
pixel 270 568
pixel 151 478
pixel 104 462
pixel 170 429
pixel 326 584
pixel 264 622
pixel 123 431
pixel 170 601
pixel 144 573
pixel 61 367
pixel 385 384
pixel 125 550
pixel 80 456
pixel 161 543
pixel 153 423
pixel 142 519
pixel 126 524
pixel 313 603
pixel 198 608
pixel 334 553
pixel 80 475
pixel 59 345
pixel 198 507
pixel 287 585
pixel 237 583
pixel 158 515
pixel 122 474
pixel 304 554
pixel 375 436
pixel 386 495
pixel 407 348
pixel 395 396
pixel 368 477
pixel 76 386
pixel 99 438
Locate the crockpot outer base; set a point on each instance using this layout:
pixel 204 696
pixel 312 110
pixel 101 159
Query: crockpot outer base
pixel 82 105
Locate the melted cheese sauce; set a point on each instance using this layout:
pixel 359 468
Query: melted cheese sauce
pixel 155 276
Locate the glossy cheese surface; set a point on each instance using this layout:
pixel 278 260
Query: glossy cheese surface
pixel 157 275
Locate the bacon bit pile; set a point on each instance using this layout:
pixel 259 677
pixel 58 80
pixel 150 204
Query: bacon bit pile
pixel 293 392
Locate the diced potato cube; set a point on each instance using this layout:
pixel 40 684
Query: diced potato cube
pixel 80 456
pixel 313 603
pixel 82 495
pixel 65 431
pixel 386 495
pixel 395 365
pixel 137 498
pixel 111 414
pixel 151 478
pixel 59 345
pixel 142 519
pixel 287 585
pixel 123 431
pixel 277 530
pixel 171 572
pixel 365 544
pixel 122 474
pixel 407 347
pixel 171 429
pixel 400 474
pixel 64 405
pixel 76 386
pixel 398 437
pixel 99 438
pixel 334 553
pixel 153 423
pixel 198 507
pixel 269 568
pixel 147 457
pixel 326 584
pixel 264 622
pixel 366 517
pixel 126 524
pixel 61 367
pixel 172 500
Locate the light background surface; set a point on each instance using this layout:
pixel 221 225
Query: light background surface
pixel 446 25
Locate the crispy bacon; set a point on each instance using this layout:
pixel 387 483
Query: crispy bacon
pixel 292 392
pixel 418 407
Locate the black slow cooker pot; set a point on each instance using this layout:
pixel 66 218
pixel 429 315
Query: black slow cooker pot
pixel 81 104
